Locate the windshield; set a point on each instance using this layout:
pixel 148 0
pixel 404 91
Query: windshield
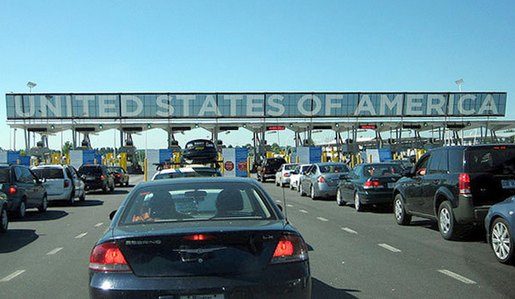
pixel 332 168
pixel 290 166
pixel 90 170
pixel 191 202
pixel 48 173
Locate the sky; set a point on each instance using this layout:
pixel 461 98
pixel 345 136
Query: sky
pixel 262 45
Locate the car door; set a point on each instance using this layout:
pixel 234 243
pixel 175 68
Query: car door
pixel 80 186
pixel 348 184
pixel 305 179
pixel 24 189
pixel 412 186
pixel 434 178
pixel 72 176
pixel 35 195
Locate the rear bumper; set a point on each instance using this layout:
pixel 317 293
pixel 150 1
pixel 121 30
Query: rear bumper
pixel 92 185
pixel 376 197
pixel 272 285
pixel 327 191
pixel 466 213
pixel 61 196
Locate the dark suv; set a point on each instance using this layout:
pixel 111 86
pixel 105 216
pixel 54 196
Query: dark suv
pixel 97 177
pixel 268 168
pixel 456 186
pixel 23 189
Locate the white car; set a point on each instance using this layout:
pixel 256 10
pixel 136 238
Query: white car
pixel 192 171
pixel 62 182
pixel 297 174
pixel 282 176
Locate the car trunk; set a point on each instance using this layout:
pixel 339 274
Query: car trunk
pixel 185 252
pixel 332 178
pixel 492 174
pixel 386 182
pixel 54 179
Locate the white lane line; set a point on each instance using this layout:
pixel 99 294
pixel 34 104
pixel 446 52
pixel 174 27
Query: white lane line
pixel 81 235
pixel 289 205
pixel 54 251
pixel 99 224
pixel 350 231
pixel 304 211
pixel 457 276
pixel 322 219
pixel 388 247
pixel 11 276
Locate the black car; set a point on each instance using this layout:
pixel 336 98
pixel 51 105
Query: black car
pixel 200 151
pixel 4 218
pixel 269 168
pixel 369 184
pixel 23 189
pixel 97 177
pixel 456 185
pixel 200 238
pixel 120 176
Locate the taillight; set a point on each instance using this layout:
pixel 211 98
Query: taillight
pixel 103 177
pixel 13 189
pixel 199 237
pixel 372 184
pixel 464 184
pixel 286 174
pixel 290 248
pixel 118 175
pixel 66 183
pixel 108 257
pixel 321 179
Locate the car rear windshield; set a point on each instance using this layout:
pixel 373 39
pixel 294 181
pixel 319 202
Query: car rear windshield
pixel 88 170
pixel 196 202
pixel 334 168
pixel 4 175
pixel 290 166
pixel 194 144
pixel 49 173
pixel 168 175
pixel 496 160
pixel 275 162
pixel 382 170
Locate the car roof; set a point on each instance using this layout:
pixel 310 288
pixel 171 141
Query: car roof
pixel 56 166
pixel 200 180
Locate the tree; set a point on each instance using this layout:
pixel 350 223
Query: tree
pixel 67 146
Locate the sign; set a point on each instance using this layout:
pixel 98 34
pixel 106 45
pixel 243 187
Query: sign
pixel 236 162
pixel 229 166
pixel 275 128
pixel 252 105
pixel 242 155
pixel 368 127
pixel 308 155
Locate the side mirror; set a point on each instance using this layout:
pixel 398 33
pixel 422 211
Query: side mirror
pixel 83 177
pixel 280 207
pixel 111 215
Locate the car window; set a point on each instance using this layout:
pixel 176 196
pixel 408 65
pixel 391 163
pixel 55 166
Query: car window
pixel 421 167
pixel 18 176
pixel 455 161
pixel 190 202
pixel 28 177
pixel 496 160
pixel 333 168
pixel 5 175
pixel 289 166
pixel 438 162
pixel 49 173
pixel 90 170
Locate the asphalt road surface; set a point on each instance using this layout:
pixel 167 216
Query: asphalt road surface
pixel 353 255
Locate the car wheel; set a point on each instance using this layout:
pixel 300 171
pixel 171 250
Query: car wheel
pixel 276 183
pixel 291 186
pixel 44 205
pixel 301 191
pixel 399 210
pixel 111 189
pixel 357 203
pixel 501 241
pixel 105 188
pixel 4 221
pixel 127 184
pixel 312 193
pixel 83 196
pixel 446 222
pixel 22 209
pixel 71 200
pixel 339 199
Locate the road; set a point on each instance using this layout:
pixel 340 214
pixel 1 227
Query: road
pixel 353 255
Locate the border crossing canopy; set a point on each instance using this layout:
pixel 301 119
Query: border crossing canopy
pixel 253 105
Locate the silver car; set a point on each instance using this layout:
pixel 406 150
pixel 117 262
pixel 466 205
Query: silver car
pixel 321 179
pixel 62 182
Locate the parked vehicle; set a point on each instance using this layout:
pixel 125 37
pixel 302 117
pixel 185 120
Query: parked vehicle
pixel 296 174
pixel 4 217
pixel 200 238
pixel 200 151
pixel 61 182
pixel 120 176
pixel 321 179
pixel 23 188
pixel 455 186
pixel 268 168
pixel 194 171
pixel 97 177
pixel 369 184
pixel 500 225
pixel 282 176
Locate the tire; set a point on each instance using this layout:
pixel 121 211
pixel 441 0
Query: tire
pixel 399 210
pixel 339 199
pixel 111 189
pixel 22 210
pixel 4 220
pixel 357 203
pixel 501 241
pixel 312 193
pixel 71 200
pixel 446 222
pixel 301 190
pixel 127 184
pixel 291 186
pixel 105 188
pixel 276 183
pixel 44 205
pixel 83 196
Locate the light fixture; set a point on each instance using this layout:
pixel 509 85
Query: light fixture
pixel 101 126
pixel 52 127
pixel 197 125
pixel 337 125
pixel 149 126
pixel 31 85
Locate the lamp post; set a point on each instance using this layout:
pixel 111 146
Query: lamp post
pixel 459 82
pixel 31 85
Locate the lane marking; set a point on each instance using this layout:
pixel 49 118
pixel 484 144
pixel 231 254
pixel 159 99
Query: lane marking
pixel 81 235
pixel 388 247
pixel 350 231
pixel 457 276
pixel 322 219
pixel 11 276
pixel 304 211
pixel 54 251
pixel 99 224
pixel 289 205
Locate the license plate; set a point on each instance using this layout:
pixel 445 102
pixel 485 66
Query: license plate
pixel 391 185
pixel 199 148
pixel 205 296
pixel 508 184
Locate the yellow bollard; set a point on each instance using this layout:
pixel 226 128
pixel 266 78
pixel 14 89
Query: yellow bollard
pixel 123 161
pixel 145 170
